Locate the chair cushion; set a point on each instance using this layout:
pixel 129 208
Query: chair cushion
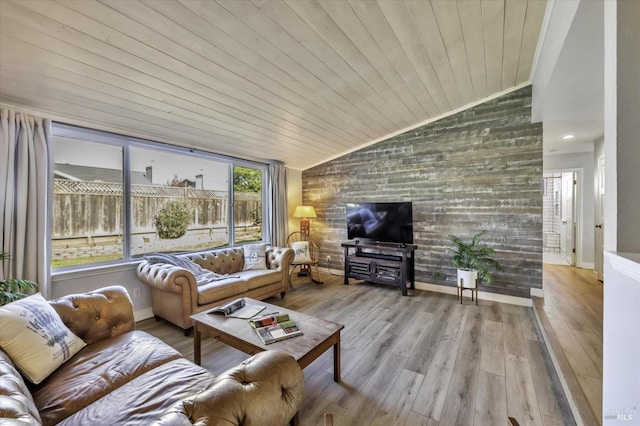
pixel 301 250
pixel 35 338
pixel 255 257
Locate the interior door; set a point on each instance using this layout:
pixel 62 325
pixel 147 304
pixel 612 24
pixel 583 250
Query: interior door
pixel 600 220
pixel 568 217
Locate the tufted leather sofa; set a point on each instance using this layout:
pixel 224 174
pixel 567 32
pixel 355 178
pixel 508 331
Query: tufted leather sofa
pixel 175 294
pixel 124 376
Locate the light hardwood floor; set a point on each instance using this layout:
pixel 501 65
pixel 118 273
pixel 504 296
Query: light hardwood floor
pixel 417 360
pixel 572 308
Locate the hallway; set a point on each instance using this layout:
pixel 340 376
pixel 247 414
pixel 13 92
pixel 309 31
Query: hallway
pixel 571 313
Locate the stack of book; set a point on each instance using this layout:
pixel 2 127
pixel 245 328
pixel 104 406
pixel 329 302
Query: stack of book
pixel 274 327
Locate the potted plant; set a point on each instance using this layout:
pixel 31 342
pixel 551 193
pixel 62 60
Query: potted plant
pixel 473 261
pixel 13 288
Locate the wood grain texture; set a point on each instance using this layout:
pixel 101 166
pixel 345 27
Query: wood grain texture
pixel 298 81
pixel 522 401
pixel 571 316
pixel 478 169
pixel 380 384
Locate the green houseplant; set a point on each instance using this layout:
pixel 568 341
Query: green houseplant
pixel 13 288
pixel 472 257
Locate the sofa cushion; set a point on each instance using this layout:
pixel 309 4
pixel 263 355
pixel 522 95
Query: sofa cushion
pixel 35 337
pixel 255 257
pixel 147 397
pixel 97 370
pixel 257 279
pixel 223 289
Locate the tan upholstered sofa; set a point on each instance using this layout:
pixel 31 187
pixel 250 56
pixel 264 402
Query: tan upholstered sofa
pixel 176 293
pixel 124 376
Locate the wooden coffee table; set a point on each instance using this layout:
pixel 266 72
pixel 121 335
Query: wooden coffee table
pixel 319 335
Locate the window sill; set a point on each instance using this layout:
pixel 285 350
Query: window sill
pixel 88 271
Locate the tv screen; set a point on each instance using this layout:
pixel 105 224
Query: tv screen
pixel 380 222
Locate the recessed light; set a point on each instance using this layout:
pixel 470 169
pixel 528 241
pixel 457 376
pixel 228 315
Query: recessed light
pixel 567 137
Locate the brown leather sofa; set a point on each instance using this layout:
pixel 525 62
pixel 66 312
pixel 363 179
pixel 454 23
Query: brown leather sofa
pixel 124 376
pixel 176 295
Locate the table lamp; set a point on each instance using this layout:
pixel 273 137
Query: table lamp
pixel 304 213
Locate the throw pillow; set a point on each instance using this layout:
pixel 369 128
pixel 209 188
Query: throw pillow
pixel 255 257
pixel 301 249
pixel 35 338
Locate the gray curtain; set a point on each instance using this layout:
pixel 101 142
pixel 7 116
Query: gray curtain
pixel 25 181
pixel 279 211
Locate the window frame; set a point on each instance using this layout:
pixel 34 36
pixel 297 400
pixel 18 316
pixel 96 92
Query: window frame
pixel 125 143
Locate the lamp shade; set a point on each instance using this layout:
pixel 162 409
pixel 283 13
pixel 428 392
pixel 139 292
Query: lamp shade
pixel 304 211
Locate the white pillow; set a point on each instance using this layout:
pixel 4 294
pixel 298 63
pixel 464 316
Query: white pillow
pixel 301 249
pixel 35 338
pixel 255 257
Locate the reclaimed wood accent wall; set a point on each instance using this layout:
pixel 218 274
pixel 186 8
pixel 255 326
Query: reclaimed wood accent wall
pixel 478 169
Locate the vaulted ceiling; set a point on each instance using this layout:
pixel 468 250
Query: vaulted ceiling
pixel 300 81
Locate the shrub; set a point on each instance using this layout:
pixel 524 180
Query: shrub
pixel 172 220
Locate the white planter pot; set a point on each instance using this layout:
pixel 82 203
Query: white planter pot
pixel 467 278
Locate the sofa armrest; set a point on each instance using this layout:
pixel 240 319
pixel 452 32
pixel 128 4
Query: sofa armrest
pixel 266 389
pixel 97 315
pixel 279 258
pixel 16 403
pixel 166 277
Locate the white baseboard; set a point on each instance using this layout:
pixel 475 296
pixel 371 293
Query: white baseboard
pixel 142 314
pixel 537 292
pixel 483 295
pixel 587 265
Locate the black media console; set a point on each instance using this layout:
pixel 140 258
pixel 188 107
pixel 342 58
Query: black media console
pixel 392 264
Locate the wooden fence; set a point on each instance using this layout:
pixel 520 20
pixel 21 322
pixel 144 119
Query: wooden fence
pixel 84 209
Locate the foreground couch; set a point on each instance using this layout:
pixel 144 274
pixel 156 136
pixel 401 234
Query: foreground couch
pixel 123 376
pixel 176 293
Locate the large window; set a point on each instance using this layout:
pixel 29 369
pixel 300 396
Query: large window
pixel 88 216
pixel 117 198
pixel 247 203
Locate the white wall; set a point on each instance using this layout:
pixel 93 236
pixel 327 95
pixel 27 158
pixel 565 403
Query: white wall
pixel 82 281
pixel 621 351
pixel 621 375
pixel 585 233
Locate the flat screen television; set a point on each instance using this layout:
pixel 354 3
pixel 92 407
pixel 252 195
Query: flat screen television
pixel 380 222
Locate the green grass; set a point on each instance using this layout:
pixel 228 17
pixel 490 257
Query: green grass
pixel 59 263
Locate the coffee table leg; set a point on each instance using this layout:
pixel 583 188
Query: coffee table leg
pixel 336 360
pixel 196 346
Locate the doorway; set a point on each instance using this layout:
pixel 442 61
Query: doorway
pixel 559 218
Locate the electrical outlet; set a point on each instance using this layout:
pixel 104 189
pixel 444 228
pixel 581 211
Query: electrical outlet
pixel 136 292
pixel 328 258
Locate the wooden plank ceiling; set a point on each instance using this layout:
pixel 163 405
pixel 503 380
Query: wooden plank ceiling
pixel 300 81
